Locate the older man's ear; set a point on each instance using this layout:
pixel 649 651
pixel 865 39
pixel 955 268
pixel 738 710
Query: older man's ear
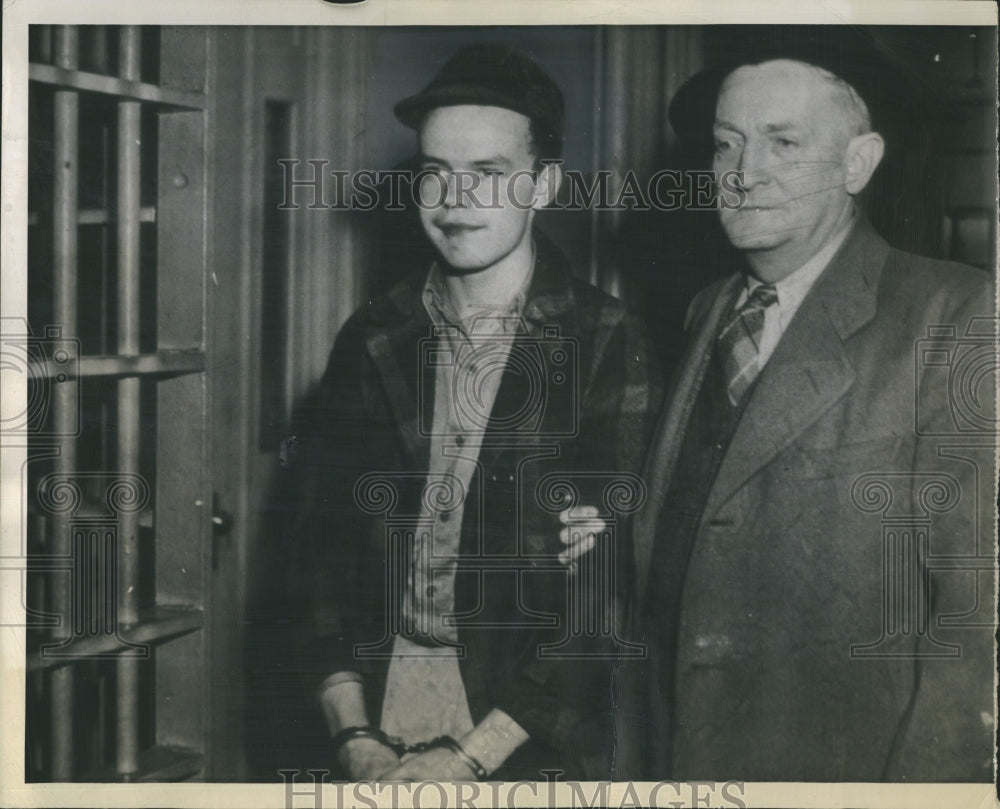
pixel 864 153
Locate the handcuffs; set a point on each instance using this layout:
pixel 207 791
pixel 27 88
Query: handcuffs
pixel 400 748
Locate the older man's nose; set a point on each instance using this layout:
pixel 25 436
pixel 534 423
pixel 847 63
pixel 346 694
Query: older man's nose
pixel 755 164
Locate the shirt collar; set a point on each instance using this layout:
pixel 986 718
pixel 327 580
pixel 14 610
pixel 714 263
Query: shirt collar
pixel 503 318
pixel 795 286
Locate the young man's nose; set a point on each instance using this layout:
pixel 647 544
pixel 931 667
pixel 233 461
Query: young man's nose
pixel 460 186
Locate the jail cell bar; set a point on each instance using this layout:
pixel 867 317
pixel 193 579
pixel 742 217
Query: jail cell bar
pixel 129 135
pixel 64 211
pixel 176 367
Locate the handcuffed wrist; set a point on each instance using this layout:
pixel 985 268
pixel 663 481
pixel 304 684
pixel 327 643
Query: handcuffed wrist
pixel 469 761
pixel 342 737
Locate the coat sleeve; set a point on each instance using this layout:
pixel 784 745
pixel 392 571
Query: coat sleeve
pixel 324 532
pixel 949 728
pixel 566 703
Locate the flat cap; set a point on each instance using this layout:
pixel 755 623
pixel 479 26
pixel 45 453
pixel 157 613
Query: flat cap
pixel 854 54
pixel 496 76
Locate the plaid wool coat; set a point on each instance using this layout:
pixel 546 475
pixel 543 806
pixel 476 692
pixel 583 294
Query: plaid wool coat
pixel 524 647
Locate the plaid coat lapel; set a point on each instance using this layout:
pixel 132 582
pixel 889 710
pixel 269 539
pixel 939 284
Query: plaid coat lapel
pixel 549 311
pixel 394 340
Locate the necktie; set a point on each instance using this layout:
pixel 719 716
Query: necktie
pixel 739 342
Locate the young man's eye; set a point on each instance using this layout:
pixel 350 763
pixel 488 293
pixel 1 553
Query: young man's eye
pixel 491 172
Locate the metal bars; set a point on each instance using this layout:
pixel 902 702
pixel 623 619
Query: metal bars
pixel 129 141
pixel 115 87
pixel 105 589
pixel 66 395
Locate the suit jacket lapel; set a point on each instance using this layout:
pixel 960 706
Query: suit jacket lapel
pixel 809 369
pixel 669 433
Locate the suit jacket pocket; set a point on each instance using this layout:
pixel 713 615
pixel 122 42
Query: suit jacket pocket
pixel 852 458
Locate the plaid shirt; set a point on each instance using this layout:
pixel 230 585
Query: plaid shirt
pixel 368 447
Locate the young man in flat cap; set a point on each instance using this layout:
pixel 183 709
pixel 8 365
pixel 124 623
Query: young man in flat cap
pixel 446 645
pixel 815 556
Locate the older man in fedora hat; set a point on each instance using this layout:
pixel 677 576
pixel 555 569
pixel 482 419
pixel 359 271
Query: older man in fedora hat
pixel 443 579
pixel 815 563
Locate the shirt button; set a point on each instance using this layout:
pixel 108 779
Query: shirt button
pixel 460 439
pixel 445 516
pixel 431 591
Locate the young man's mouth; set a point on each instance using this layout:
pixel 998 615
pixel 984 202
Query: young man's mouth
pixel 452 230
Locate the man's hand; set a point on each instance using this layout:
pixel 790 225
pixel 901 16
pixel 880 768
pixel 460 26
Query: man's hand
pixel 436 764
pixel 582 526
pixel 365 759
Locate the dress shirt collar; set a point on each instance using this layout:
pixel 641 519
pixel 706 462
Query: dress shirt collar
pixel 793 288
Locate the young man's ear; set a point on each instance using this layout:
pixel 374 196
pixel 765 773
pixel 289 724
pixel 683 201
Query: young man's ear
pixel 864 153
pixel 550 177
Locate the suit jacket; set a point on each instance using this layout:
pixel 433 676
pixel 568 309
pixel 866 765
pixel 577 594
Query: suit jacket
pixel 834 618
pixel 369 459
